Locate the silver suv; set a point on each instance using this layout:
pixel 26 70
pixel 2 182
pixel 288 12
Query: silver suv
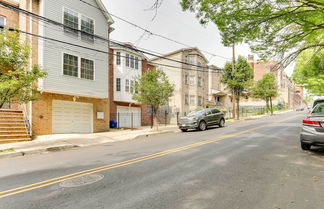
pixel 313 128
pixel 202 119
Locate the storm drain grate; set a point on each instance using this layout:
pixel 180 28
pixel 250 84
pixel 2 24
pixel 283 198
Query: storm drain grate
pixel 82 181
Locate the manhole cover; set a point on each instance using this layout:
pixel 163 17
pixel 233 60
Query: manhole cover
pixel 83 180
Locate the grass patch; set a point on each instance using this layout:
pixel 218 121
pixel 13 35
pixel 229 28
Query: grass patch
pixel 7 150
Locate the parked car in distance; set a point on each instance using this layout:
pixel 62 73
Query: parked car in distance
pixel 202 119
pixel 313 128
pixel 300 108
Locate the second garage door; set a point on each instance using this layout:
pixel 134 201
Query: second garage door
pixel 126 116
pixel 71 117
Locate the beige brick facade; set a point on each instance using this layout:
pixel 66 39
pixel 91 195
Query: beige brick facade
pixel 11 16
pixel 42 112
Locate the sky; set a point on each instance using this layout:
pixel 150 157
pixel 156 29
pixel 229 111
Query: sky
pixel 172 22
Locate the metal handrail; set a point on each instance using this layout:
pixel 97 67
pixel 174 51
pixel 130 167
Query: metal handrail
pixel 26 118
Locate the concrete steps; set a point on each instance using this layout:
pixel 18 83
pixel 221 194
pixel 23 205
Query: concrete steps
pixel 13 127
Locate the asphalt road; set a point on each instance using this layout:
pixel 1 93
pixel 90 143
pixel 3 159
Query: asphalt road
pixel 256 164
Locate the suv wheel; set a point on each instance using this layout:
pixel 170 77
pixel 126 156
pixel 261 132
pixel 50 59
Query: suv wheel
pixel 305 146
pixel 202 125
pixel 221 123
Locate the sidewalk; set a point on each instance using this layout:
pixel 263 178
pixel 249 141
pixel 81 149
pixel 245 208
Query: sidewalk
pixel 58 142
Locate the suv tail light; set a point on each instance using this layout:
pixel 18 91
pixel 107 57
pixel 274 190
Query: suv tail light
pixel 308 122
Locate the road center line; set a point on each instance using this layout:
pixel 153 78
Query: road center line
pixel 29 187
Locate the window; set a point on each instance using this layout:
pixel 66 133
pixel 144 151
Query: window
pixel 136 87
pixel 199 62
pixel 132 61
pixel 200 101
pixel 87 26
pixel 118 84
pixel 118 58
pixel 136 63
pixel 186 79
pixel 191 59
pixel 214 111
pixel 87 69
pixel 199 81
pixel 192 100
pixel 186 99
pixel 132 86
pixel 127 85
pixel 70 65
pixel 71 20
pixel 192 80
pixel 127 60
pixel 2 21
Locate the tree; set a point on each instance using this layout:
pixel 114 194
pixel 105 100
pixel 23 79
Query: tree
pixel 266 89
pixel 16 82
pixel 309 71
pixel 153 88
pixel 278 28
pixel 238 80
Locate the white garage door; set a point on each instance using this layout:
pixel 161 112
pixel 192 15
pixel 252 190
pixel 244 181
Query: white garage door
pixel 127 116
pixel 71 117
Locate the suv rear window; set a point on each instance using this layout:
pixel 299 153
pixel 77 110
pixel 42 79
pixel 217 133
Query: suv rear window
pixel 318 109
pixel 318 102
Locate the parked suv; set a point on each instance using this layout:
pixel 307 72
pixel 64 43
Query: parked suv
pixel 313 128
pixel 202 119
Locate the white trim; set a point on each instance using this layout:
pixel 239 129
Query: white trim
pixel 79 66
pixel 4 20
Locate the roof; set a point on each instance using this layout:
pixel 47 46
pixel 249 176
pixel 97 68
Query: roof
pixel 127 46
pixel 182 50
pixel 105 12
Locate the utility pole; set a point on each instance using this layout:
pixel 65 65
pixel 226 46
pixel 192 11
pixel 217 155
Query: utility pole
pixel 233 92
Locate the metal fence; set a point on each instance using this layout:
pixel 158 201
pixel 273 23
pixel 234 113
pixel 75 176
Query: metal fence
pixel 164 117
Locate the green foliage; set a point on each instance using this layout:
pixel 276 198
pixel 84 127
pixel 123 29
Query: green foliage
pixel 154 89
pixel 309 71
pixel 16 82
pixel 271 28
pixel 265 88
pixel 238 80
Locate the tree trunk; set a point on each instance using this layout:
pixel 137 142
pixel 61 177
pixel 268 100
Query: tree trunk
pixel 271 106
pixel 267 105
pixel 238 107
pixel 233 103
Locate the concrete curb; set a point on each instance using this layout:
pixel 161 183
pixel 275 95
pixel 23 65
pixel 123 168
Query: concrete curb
pixel 64 147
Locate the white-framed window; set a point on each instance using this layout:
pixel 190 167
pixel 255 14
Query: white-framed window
pixel 186 99
pixel 118 84
pixel 87 26
pixel 186 79
pixel 136 63
pixel 71 19
pixel 2 21
pixel 132 59
pixel 70 65
pixel 127 85
pixel 191 59
pixel 200 82
pixel 199 61
pixel 192 80
pixel 200 100
pixel 78 67
pixel 127 60
pixel 131 86
pixel 118 61
pixel 192 100
pixel 87 69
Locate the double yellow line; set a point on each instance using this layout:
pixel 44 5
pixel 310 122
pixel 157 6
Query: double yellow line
pixel 29 187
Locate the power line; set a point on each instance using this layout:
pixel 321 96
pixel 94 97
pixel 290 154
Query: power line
pixel 91 35
pixel 150 32
pixel 96 50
